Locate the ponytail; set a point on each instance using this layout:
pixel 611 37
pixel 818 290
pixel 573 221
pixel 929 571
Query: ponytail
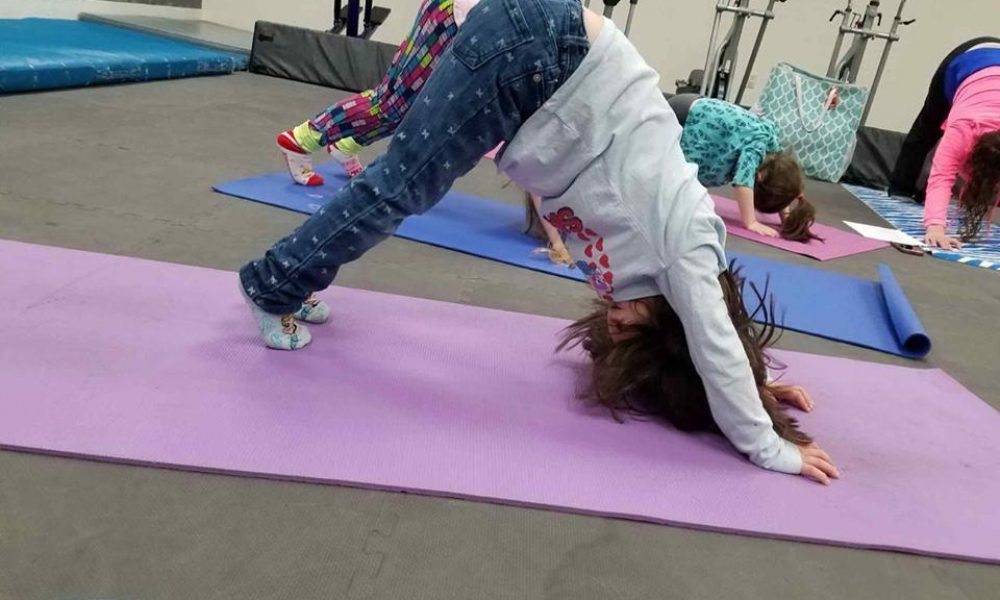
pixel 798 222
pixel 780 183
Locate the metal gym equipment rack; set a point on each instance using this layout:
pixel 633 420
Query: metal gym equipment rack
pixel 609 9
pixel 350 18
pixel 721 61
pixel 862 26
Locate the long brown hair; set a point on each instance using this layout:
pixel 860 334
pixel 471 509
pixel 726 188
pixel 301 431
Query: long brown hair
pixel 980 193
pixel 780 182
pixel 651 372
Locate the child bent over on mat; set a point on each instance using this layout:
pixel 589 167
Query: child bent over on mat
pixel 962 112
pixel 362 119
pixel 591 134
pixel 732 145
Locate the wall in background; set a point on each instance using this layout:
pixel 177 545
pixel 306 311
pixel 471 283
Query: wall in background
pixel 673 37
pixel 802 35
pixel 671 34
pixel 312 14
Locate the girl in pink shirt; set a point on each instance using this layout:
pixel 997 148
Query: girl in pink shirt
pixel 962 111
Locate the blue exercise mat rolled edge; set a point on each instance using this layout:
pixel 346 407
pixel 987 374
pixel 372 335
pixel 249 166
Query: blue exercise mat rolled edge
pixel 838 307
pixel 871 314
pixel 909 330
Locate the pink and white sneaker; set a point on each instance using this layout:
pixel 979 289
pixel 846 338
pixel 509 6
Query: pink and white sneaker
pixel 297 160
pixel 352 166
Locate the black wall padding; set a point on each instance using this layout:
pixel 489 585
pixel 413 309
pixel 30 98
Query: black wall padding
pixel 874 157
pixel 318 57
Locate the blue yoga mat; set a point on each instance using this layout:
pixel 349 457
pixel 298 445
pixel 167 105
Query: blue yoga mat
pixel 873 314
pixel 908 217
pixel 42 54
pixel 461 222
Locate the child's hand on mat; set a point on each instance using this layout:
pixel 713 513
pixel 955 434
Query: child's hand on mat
pixel 793 395
pixel 817 464
pixel 761 229
pixel 936 236
pixel 558 255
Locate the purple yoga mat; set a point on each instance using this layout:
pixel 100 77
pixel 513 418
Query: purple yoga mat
pixel 133 361
pixel 835 244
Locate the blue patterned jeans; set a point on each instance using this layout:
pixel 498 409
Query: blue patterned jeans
pixel 509 57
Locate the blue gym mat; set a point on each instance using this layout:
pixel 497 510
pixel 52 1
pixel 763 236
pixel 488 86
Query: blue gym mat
pixel 468 224
pixel 872 314
pixel 42 54
pixel 908 217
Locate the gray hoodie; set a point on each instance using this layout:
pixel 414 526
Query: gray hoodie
pixel 604 153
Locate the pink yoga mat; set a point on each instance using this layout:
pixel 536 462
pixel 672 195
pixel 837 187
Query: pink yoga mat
pixel 836 243
pixel 141 362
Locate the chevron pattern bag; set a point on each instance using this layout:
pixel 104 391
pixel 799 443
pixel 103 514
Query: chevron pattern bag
pixel 816 117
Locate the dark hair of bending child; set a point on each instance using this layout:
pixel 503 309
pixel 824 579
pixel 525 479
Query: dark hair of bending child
pixel 643 366
pixel 982 190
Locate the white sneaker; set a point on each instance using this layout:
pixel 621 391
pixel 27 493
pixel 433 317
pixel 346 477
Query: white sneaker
pixel 298 161
pixel 279 332
pixel 352 166
pixel 313 310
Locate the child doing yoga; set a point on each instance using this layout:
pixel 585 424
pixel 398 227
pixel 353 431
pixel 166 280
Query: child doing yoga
pixel 590 133
pixel 961 115
pixel 362 119
pixel 732 145
pixel 359 120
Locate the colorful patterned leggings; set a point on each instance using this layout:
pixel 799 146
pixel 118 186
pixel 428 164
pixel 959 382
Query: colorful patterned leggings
pixel 375 114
